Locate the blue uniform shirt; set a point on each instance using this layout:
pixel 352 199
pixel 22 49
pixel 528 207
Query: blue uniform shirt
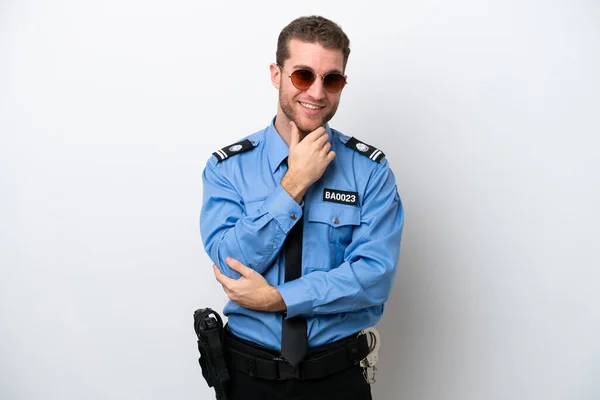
pixel 351 245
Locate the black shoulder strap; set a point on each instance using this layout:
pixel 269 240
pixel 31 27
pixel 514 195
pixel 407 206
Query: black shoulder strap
pixel 366 150
pixel 233 149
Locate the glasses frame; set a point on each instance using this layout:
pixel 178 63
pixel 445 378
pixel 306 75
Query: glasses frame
pixel 319 75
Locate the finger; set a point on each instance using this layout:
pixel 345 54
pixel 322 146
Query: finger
pixel 320 142
pixel 317 133
pixel 225 290
pixel 326 147
pixel 330 156
pixel 238 266
pixel 295 135
pixel 221 278
pixel 217 273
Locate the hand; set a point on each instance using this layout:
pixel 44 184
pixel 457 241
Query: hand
pixel 307 161
pixel 251 290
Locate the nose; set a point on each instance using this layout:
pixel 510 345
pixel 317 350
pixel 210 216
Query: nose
pixel 316 90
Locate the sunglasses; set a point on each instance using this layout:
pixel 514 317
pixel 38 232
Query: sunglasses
pixel 302 79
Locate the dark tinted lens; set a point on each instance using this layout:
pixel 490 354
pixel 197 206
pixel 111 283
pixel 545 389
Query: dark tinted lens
pixel 333 83
pixel 302 79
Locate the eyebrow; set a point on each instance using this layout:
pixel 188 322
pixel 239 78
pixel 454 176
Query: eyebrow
pixel 302 66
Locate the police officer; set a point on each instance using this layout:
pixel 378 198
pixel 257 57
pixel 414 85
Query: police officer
pixel 303 224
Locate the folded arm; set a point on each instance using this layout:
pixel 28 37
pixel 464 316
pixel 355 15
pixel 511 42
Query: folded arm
pixel 227 231
pixel 366 276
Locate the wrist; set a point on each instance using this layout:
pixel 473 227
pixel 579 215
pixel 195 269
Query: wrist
pixel 293 186
pixel 275 302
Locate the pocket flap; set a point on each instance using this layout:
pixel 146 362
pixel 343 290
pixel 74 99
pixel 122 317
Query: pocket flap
pixel 333 214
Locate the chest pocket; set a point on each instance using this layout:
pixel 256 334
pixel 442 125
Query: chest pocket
pixel 333 222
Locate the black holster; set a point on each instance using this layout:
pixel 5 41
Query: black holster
pixel 209 329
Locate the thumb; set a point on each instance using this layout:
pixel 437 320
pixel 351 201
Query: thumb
pixel 238 266
pixel 295 135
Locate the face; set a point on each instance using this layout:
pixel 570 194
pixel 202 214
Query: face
pixel 314 106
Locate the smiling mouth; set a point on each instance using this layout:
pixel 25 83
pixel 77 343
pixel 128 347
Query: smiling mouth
pixel 310 106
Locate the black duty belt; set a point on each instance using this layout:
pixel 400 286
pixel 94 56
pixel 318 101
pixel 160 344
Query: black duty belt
pixel 261 362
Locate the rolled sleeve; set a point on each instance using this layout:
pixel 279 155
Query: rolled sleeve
pixel 297 297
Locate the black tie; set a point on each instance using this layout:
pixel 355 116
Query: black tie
pixel 294 341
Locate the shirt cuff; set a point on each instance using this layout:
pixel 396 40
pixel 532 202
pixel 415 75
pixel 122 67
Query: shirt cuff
pixel 283 208
pixel 296 297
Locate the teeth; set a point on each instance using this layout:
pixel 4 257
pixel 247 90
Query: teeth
pixel 310 106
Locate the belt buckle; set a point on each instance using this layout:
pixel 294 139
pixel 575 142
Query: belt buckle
pixel 286 370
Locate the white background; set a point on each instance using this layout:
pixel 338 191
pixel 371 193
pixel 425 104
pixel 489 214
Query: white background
pixel 488 112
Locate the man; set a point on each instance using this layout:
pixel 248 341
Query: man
pixel 304 226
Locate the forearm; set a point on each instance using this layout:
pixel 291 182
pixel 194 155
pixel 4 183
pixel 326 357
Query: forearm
pixel 254 240
pixel 363 283
pixel 274 302
pixel 366 275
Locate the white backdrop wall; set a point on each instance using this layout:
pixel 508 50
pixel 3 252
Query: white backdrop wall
pixel 488 112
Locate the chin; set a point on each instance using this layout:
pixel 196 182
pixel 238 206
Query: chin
pixel 311 121
pixel 310 124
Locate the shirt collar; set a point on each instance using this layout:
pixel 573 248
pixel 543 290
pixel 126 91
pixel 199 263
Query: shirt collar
pixel 277 149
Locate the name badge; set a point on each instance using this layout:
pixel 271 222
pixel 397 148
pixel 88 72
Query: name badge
pixel 340 196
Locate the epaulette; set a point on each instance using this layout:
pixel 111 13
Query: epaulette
pixel 233 149
pixel 366 150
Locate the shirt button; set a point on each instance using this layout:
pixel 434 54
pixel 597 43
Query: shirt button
pixel 336 221
pixel 293 216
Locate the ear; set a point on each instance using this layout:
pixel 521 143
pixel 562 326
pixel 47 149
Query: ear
pixel 275 75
